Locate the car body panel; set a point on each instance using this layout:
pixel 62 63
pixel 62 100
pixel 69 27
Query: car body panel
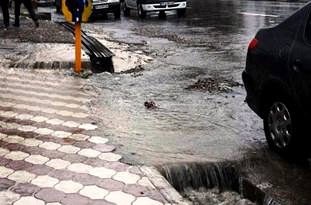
pixel 157 5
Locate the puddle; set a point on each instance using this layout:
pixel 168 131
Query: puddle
pixel 214 183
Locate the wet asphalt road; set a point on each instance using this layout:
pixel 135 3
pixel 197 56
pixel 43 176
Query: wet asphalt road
pixel 211 41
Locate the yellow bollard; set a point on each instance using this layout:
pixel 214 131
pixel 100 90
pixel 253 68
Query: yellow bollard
pixel 78 47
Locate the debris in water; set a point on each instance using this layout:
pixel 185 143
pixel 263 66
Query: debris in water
pixel 150 104
pixel 135 70
pixel 214 85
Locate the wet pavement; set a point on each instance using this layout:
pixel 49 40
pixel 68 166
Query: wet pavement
pixel 52 151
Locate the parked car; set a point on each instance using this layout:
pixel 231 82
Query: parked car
pixel 144 6
pixel 277 79
pixel 99 7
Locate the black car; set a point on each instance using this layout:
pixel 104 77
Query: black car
pixel 277 79
pixel 99 7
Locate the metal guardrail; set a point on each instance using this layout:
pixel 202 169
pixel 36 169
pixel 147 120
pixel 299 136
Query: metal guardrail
pixel 100 55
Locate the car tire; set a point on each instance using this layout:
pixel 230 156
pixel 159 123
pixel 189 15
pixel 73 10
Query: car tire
pixel 283 126
pixel 140 11
pixel 181 12
pixel 126 10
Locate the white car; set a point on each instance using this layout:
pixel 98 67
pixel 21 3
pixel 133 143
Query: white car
pixel 144 6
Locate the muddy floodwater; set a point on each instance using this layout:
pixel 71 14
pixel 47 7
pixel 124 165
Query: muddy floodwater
pixel 209 44
pixel 189 70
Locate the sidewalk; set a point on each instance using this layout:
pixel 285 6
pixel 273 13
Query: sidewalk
pixel 52 152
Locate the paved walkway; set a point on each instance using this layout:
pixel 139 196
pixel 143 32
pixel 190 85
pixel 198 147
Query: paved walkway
pixel 52 153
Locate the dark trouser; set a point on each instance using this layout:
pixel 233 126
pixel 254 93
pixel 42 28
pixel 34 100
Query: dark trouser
pixel 5 10
pixel 28 5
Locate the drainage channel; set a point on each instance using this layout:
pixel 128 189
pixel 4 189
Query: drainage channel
pixel 218 183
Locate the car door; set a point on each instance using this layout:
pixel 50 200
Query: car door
pixel 132 4
pixel 300 65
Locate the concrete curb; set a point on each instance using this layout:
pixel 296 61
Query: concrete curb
pixel 162 185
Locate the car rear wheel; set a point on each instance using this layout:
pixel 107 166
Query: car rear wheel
pixel 126 10
pixel 284 127
pixel 141 13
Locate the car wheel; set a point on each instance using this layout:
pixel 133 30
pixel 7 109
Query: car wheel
pixel 126 10
pixel 284 128
pixel 181 12
pixel 141 12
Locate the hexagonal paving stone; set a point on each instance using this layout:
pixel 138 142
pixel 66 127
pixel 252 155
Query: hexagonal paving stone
pixel 31 142
pixel 71 124
pixel 21 176
pixel 39 119
pixel 16 155
pixel 98 140
pixel 79 137
pixel 146 200
pixel 69 149
pixel 24 117
pixel 44 131
pixel 27 128
pixel 3 151
pixel 29 200
pixel 120 198
pixel 4 172
pixel 93 192
pixel 126 177
pixel 88 126
pixel 89 153
pixel 110 157
pixel 102 172
pixel 50 146
pixel 37 159
pixel 8 197
pixel 69 186
pixel 80 168
pixel 61 134
pixel 58 163
pixel 13 139
pixel 45 181
pixel 54 121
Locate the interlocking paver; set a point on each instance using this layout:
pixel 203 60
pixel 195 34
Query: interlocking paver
pixel 29 200
pixel 69 186
pixel 44 131
pixel 80 168
pixel 21 176
pixel 98 140
pixel 88 126
pixel 25 189
pixel 69 149
pixel 89 153
pixel 120 198
pixel 27 128
pixel 50 146
pixel 39 119
pixel 13 139
pixel 79 137
pixel 111 157
pixel 16 155
pixel 45 181
pixel 3 151
pixel 4 172
pixel 126 177
pixel 93 192
pixel 146 200
pixel 71 124
pixel 50 195
pixel 31 142
pixel 8 197
pixel 37 159
pixel 58 163
pixel 61 134
pixel 54 121
pixel 102 172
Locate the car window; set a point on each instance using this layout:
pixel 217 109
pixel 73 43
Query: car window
pixel 308 30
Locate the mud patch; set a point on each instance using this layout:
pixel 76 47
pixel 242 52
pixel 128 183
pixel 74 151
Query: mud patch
pixel 214 85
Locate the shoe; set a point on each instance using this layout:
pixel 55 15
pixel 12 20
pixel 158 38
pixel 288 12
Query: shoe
pixel 37 24
pixel 16 25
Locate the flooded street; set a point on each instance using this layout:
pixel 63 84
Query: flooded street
pixel 189 125
pixel 193 125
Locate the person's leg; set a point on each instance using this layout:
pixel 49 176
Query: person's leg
pixel 31 11
pixel 17 12
pixel 5 11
